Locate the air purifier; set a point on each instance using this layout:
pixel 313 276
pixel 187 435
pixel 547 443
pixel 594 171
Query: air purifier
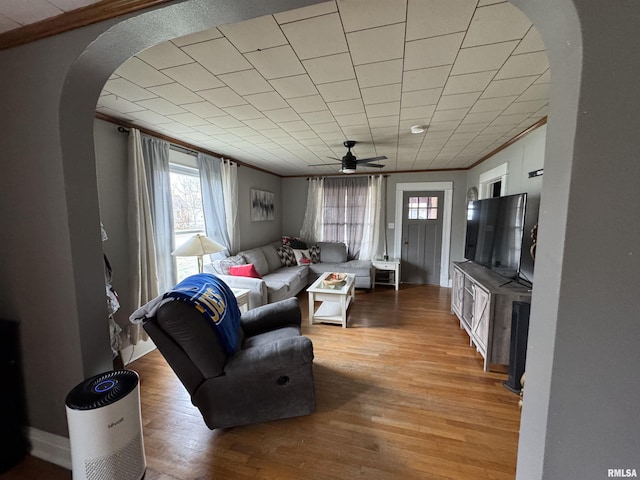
pixel 105 427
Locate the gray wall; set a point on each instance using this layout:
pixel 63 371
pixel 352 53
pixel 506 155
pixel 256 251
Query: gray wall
pixel 580 407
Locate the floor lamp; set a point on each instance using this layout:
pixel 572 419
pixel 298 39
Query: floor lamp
pixel 198 246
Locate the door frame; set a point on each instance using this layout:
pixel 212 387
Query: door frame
pixel 447 208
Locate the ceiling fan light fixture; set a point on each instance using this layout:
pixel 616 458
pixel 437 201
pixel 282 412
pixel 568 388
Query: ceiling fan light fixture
pixel 347 170
pixel 416 129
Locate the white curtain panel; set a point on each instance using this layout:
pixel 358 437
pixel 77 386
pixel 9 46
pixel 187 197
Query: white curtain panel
pixel 156 162
pixel 311 230
pixel 143 268
pixel 213 203
pixel 345 202
pixel 374 205
pixel 229 171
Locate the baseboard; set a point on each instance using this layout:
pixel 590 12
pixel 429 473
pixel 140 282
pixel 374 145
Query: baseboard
pixel 49 447
pixel 134 352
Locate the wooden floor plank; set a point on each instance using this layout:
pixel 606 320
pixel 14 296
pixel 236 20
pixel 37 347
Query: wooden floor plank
pixel 400 394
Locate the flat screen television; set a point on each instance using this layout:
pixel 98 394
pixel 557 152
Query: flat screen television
pixel 495 228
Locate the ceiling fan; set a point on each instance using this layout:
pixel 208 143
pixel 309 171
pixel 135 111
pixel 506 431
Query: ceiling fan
pixel 349 162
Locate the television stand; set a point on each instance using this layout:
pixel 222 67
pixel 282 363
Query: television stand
pixel 482 301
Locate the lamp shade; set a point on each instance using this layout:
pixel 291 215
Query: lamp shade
pixel 197 246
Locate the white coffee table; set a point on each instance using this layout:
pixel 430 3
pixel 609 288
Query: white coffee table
pixel 335 300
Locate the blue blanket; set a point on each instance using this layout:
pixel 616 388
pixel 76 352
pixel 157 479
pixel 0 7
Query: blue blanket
pixel 215 300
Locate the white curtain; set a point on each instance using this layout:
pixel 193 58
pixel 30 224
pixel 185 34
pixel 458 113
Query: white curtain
pixel 374 205
pixel 156 162
pixel 213 201
pixel 229 172
pixel 311 230
pixel 143 267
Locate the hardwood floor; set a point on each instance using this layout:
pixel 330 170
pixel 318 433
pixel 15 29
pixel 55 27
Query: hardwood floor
pixel 400 394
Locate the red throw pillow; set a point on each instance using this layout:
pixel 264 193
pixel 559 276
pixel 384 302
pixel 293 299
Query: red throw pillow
pixel 247 270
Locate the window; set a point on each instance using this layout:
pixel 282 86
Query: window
pixel 423 208
pixel 188 213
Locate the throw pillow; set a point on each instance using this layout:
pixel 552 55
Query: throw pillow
pixel 222 266
pixel 286 240
pixel 296 243
pixel 247 270
pixel 303 257
pixel 314 252
pixel 287 257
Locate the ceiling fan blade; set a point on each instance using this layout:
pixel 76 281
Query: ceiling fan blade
pixel 372 159
pixel 376 165
pixel 334 158
pixel 323 164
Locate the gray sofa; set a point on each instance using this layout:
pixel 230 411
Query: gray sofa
pixel 281 280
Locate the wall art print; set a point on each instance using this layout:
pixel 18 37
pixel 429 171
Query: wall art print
pixel 262 205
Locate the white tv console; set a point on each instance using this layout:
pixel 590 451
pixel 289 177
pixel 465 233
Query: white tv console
pixel 483 302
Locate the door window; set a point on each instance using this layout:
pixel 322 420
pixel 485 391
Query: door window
pixel 423 208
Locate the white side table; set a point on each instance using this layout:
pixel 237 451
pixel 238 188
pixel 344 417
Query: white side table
pixel 392 266
pixel 242 297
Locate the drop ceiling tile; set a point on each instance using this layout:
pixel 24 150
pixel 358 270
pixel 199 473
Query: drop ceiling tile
pixel 312 103
pixel 418 98
pixel 222 97
pixel 313 118
pixel 382 94
pixel 197 136
pixel 164 55
pixel 534 63
pixel 244 112
pixel 246 82
pixel 306 135
pixel 275 133
pixel 176 93
pixel 276 62
pixel 255 34
pixel 532 42
pixel 150 117
pixel 432 52
pixel 204 109
pixel 380 73
pixel 363 14
pixel 438 17
pixel 460 100
pixel 197 37
pixel 470 128
pixel 241 132
pixel 383 109
pixel 508 87
pixel 118 104
pixel 483 58
pixel 346 107
pixel 523 107
pixel 544 78
pixel 127 90
pixel 261 124
pixel 389 121
pixel 492 104
pixel 470 82
pixel 331 68
pixel 292 87
pixel 209 129
pixel 326 127
pixel 175 127
pixel 425 78
pixel 282 115
pixel 496 23
pixel 226 121
pixel 161 106
pixel 306 12
pixel 141 73
pixel 25 13
pixel 424 112
pixel 317 36
pixel 377 44
pixel 510 120
pixel 353 119
pixel 447 115
pixel 188 119
pixel 337 91
pixel 536 92
pixel 193 76
pixel 218 56
pixel 266 101
pixel 485 117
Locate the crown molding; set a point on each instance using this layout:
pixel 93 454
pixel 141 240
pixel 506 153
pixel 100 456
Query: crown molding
pixel 80 17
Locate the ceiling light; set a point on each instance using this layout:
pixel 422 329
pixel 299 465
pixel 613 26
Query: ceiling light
pixel 418 129
pixel 347 170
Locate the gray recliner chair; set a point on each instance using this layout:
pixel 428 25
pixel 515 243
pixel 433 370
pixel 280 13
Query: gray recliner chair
pixel 269 377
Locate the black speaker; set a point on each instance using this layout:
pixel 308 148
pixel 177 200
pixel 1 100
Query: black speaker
pixel 518 346
pixel 12 401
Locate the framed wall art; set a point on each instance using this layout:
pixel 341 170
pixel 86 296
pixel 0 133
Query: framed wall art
pixel 262 205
